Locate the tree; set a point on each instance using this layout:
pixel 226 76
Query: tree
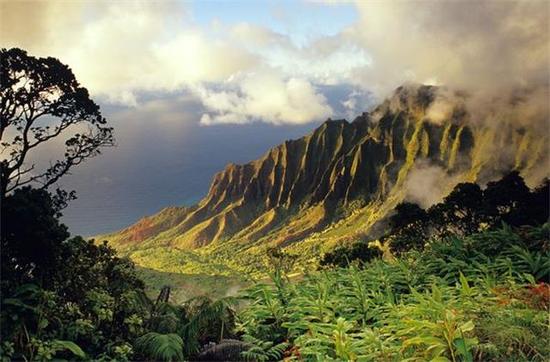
pixel 59 293
pixel 31 235
pixel 461 212
pixel 408 227
pixel 507 200
pixel 209 321
pixel 344 255
pixel 407 214
pixel 538 206
pixel 40 99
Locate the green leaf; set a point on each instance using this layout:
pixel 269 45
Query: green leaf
pixel 43 323
pixel 467 327
pixel 161 347
pixel 60 345
pixel 440 359
pixel 465 286
pixel 20 304
pixel 462 349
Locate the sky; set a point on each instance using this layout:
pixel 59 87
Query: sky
pixel 192 86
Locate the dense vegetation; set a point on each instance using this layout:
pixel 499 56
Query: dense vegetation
pixel 464 280
pixel 65 297
pixel 457 296
pixel 479 297
pixel 466 210
pixel 71 298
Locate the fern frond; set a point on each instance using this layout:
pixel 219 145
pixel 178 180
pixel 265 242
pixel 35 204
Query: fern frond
pixel 160 347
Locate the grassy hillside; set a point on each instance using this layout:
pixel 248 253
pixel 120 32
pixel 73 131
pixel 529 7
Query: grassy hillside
pixel 333 186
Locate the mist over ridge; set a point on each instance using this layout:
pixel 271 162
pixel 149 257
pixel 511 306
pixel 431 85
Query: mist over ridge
pixel 337 182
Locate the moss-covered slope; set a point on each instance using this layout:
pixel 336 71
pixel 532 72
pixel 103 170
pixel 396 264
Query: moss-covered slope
pixel 335 183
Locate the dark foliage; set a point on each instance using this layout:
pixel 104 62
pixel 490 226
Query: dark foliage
pixel 508 200
pixel 72 298
pixel 408 222
pixel 461 212
pixel 344 255
pixel 31 237
pixel 468 209
pixel 33 90
pixel 539 200
pixel 57 292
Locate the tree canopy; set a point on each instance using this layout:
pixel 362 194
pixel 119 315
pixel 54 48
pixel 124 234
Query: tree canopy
pixel 467 209
pixel 41 100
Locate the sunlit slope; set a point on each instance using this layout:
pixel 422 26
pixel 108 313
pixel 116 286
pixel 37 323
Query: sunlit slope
pixel 334 184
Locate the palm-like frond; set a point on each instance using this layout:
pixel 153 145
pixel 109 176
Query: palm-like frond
pixel 160 347
pixel 205 314
pixel 261 351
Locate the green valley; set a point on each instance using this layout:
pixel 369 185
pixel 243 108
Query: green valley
pixel 334 186
pixel 416 229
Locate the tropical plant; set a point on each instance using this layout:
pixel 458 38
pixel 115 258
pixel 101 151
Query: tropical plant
pixel 160 347
pixel 208 321
pixel 261 351
pixel 437 304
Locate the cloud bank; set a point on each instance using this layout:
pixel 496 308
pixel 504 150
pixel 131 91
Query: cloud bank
pixel 245 71
pixel 241 72
pixel 474 45
pixel 264 96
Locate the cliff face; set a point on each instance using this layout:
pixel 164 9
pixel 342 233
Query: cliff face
pixel 342 171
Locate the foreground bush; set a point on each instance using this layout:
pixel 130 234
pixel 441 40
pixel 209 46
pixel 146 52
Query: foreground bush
pixel 73 299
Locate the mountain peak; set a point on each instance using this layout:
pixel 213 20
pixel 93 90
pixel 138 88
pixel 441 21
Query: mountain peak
pixel 344 171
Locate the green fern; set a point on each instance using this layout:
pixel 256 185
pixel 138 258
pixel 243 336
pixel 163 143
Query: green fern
pixel 263 350
pixel 72 347
pixel 454 301
pixel 160 347
pixel 207 314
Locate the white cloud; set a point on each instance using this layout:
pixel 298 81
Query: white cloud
pixel 264 96
pixel 442 107
pixel 356 102
pixel 244 72
pixel 132 48
pixel 327 61
pixel 192 58
pixel 119 50
pixel 427 184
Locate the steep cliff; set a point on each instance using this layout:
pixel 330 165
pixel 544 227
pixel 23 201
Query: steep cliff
pixel 336 182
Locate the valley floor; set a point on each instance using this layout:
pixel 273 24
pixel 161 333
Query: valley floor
pixel 186 286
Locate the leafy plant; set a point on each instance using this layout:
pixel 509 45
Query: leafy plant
pixel 160 347
pixel 263 350
pixel 208 321
pixel 46 350
pixel 439 304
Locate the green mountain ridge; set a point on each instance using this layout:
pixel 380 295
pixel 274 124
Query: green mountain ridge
pixel 331 186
